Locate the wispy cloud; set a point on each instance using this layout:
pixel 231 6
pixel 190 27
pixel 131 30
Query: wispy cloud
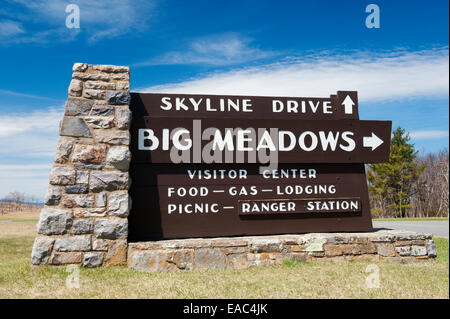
pixel 44 21
pixel 10 28
pixel 31 96
pixel 27 147
pixel 428 134
pixel 29 135
pixel 376 76
pixel 214 50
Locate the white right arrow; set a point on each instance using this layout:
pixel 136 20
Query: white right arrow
pixel 372 141
pixel 348 104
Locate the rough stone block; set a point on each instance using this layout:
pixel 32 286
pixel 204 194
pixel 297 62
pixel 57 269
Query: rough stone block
pixel 64 258
pixel 100 199
pixel 53 195
pixel 63 150
pixel 77 189
pixel 431 248
pixel 119 158
pixel 100 244
pixel 182 258
pixel 265 245
pixel 119 98
pixel 62 175
pixel 78 107
pixel 117 253
pixel 93 259
pixel 209 258
pixel 82 177
pixel 119 204
pixel 386 250
pixel 383 238
pixel 123 117
pixel 78 200
pixel 75 87
pixel 98 122
pixel 74 126
pixel 332 250
pixel 315 245
pixel 112 136
pixel 94 94
pixel 123 86
pixel 111 228
pixel 90 76
pixel 403 250
pixel 237 261
pixel 89 212
pixel 88 166
pixel 83 226
pixel 111 68
pixel 42 249
pixel 418 251
pixel 155 260
pixel 89 154
pixel 367 248
pixel 54 221
pixel 121 77
pixel 100 85
pixel 79 67
pixel 109 181
pixel 338 240
pixel 102 110
pixel 73 243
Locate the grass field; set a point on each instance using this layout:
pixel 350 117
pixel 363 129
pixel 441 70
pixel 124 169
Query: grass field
pixel 18 279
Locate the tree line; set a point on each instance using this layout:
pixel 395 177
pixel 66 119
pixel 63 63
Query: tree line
pixel 19 201
pixel 409 185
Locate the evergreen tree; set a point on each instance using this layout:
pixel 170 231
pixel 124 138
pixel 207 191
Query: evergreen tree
pixel 392 184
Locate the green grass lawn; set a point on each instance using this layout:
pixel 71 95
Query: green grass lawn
pixel 428 279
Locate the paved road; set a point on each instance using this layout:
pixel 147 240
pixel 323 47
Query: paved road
pixel 435 227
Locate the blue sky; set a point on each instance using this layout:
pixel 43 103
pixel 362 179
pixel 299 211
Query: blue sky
pixel 295 48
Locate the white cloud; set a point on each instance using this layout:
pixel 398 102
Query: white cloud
pixel 428 134
pixel 31 96
pixel 32 135
pixel 37 122
pixel 98 19
pixel 216 50
pixel 376 76
pixel 10 28
pixel 27 147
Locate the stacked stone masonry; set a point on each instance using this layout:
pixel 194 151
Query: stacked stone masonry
pixel 245 252
pixel 84 220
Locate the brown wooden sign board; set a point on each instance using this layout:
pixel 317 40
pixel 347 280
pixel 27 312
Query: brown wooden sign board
pixel 321 141
pixel 308 190
pixel 342 105
pixel 198 200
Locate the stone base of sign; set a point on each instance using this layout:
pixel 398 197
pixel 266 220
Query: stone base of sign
pixel 84 220
pixel 245 252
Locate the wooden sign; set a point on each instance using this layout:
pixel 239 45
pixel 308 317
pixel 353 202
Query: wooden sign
pixel 258 141
pixel 208 166
pixel 342 105
pixel 179 201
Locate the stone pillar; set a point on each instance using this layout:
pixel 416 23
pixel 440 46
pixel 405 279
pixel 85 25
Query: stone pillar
pixel 84 220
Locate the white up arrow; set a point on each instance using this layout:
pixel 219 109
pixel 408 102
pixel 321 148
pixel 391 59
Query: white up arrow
pixel 372 141
pixel 348 103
